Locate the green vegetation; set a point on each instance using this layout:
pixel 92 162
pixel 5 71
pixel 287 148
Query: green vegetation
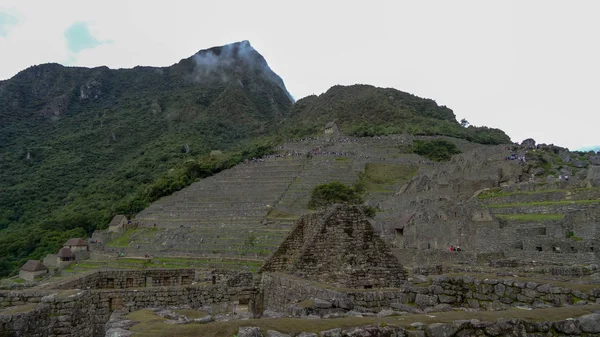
pixel 124 239
pixel 78 146
pixel 366 111
pixel 497 192
pixel 379 177
pixel 531 217
pixel 334 193
pixel 437 150
pixel 545 203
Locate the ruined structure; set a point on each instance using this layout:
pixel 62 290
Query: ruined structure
pixel 338 246
pixel 32 269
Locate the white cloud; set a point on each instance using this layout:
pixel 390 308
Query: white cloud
pixel 529 68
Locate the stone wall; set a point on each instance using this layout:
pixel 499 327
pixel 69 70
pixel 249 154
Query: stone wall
pixel 85 312
pixel 9 298
pixel 283 293
pixel 119 279
pixel 338 246
pixel 586 325
pixel 82 306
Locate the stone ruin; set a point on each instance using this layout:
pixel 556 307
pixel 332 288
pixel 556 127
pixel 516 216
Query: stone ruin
pixel 338 246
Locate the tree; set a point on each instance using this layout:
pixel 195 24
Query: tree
pixel 464 123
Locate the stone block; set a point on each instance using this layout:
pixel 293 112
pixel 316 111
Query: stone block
pixel 568 326
pixel 440 330
pixel 590 323
pixel 423 301
pixel 446 299
pixel 249 332
pixel 331 333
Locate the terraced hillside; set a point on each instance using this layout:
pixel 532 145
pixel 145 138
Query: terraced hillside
pixel 552 224
pixel 488 205
pixel 248 210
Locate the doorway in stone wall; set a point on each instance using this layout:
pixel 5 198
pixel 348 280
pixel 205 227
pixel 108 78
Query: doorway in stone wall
pixel 115 303
pixel 129 283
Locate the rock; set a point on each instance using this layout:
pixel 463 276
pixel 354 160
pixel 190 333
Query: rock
pixel 568 326
pixel 308 334
pixel 441 330
pixel 273 333
pixel 332 315
pixel 447 299
pixel 385 313
pixel 580 164
pixel 423 301
pixel 203 320
pixel 442 308
pixel 118 332
pixel 332 333
pixel 417 325
pixel 322 304
pixel 273 314
pixel 407 308
pixel 417 278
pixel 353 313
pixel 595 160
pixel 590 323
pixel 249 331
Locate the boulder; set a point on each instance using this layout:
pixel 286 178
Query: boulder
pixel 118 332
pixel 441 330
pixel 272 314
pixel 332 333
pixel 417 278
pixel 567 326
pixel 249 331
pixel 273 333
pixel 308 334
pixel 423 301
pixel 590 323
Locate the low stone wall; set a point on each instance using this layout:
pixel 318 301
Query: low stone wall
pixel 119 279
pixel 587 325
pixel 83 311
pixel 9 298
pixel 283 293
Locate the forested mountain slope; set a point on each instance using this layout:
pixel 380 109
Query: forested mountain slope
pixel 79 145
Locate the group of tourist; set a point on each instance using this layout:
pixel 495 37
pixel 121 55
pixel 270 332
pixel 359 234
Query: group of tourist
pixel 455 248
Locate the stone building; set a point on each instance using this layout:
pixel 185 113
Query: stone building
pixel 76 245
pixel 64 257
pixel 331 129
pixel 32 269
pixel 118 223
pixel 338 246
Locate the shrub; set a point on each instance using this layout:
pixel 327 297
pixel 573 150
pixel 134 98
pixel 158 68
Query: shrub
pixel 437 150
pixel 334 193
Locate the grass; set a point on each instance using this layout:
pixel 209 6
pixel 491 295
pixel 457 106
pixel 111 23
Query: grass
pixel 378 177
pixel 152 325
pixel 531 217
pixel 496 192
pixel 191 314
pixel 123 240
pixel 277 214
pixel 545 203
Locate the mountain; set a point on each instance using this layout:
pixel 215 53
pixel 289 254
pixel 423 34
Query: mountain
pixel 76 143
pixel 79 145
pixel 364 110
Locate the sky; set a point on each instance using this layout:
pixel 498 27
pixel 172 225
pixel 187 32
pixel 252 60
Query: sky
pixel 530 68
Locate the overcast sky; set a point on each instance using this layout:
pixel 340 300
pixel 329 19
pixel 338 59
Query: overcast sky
pixel 531 68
